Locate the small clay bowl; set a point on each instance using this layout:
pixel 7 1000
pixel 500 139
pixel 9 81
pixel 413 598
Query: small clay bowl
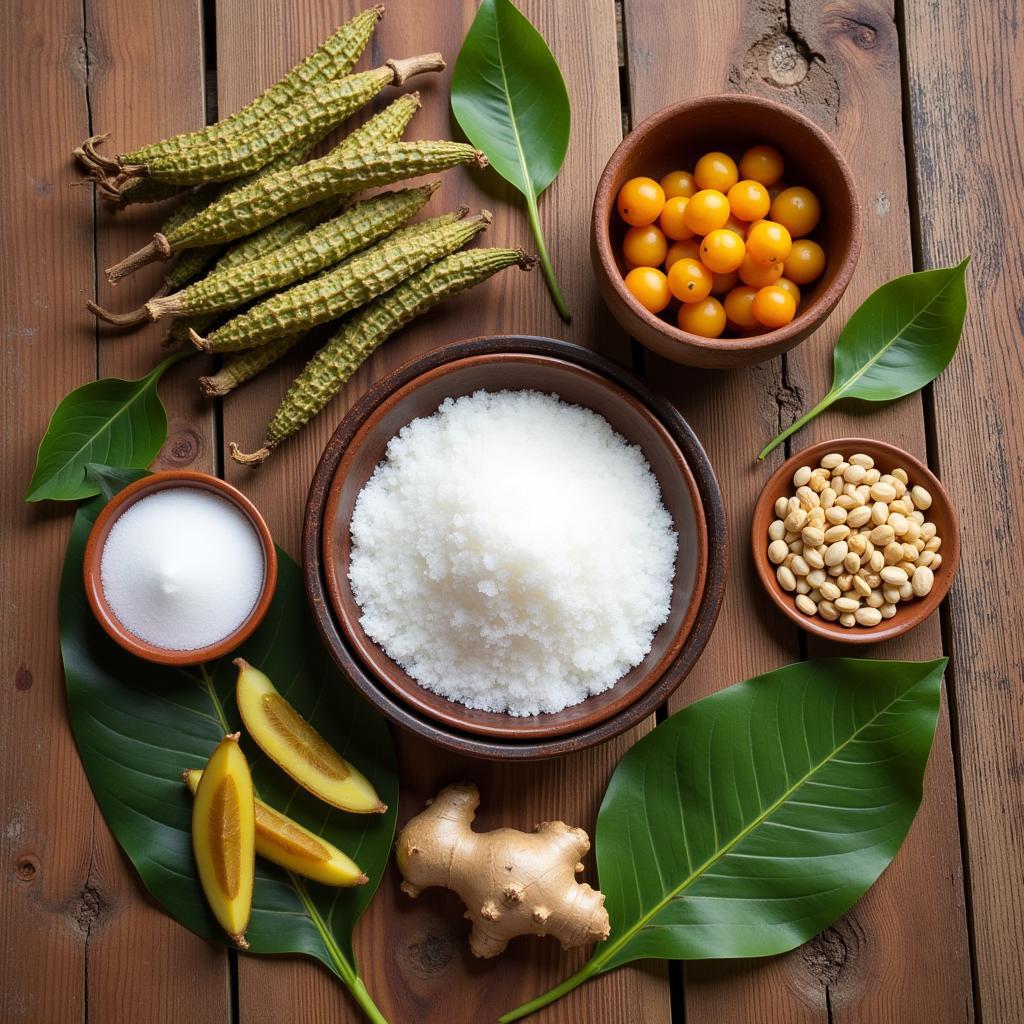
pixel 121 501
pixel 887 457
pixel 673 139
pixel 580 377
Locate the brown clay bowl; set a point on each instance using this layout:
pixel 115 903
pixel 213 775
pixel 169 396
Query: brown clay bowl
pixel 94 550
pixel 672 139
pixel 887 457
pixel 688 488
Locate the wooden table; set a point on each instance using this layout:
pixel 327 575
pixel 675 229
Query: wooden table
pixel 925 99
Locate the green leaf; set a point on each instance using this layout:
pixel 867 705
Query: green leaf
pixel 111 479
pixel 509 97
pixel 110 421
pixel 138 726
pixel 902 337
pixel 751 820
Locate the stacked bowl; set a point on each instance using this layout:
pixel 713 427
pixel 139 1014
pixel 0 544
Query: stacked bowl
pixel 580 377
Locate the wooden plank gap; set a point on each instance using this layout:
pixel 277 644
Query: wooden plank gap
pixel 933 454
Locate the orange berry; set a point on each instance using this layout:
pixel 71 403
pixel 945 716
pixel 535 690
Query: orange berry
pixel 649 287
pixel 678 183
pixel 797 210
pixel 738 305
pixel 757 275
pixel 722 283
pixel 688 249
pixel 672 219
pixel 705 318
pixel 749 200
pixel 773 306
pixel 805 262
pixel 706 210
pixel 763 164
pixel 741 227
pixel 716 170
pixel 640 201
pixel 722 251
pixel 768 242
pixel 645 246
pixel 689 280
pixel 788 286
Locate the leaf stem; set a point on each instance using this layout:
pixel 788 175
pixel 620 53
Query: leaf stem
pixel 587 971
pixel 545 260
pixel 343 968
pixel 797 424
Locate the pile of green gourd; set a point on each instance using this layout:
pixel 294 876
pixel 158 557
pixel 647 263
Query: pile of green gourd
pixel 292 234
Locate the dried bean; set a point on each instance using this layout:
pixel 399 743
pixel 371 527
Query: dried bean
pixel 352 283
pixel 277 195
pixel 358 227
pixel 244 366
pixel 345 352
pixel 335 57
pixel 312 117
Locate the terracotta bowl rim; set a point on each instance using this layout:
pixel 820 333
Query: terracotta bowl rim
pixel 906 618
pixel 126 497
pixel 490 747
pixel 383 668
pixel 808 318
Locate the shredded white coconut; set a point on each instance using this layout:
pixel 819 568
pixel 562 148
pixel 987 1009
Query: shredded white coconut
pixel 512 552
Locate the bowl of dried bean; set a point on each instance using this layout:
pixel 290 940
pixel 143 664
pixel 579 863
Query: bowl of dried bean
pixel 855 540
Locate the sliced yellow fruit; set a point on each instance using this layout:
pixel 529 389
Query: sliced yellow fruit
pixel 292 846
pixel 224 837
pixel 298 749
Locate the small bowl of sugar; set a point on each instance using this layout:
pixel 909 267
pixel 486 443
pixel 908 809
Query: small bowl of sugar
pixel 179 568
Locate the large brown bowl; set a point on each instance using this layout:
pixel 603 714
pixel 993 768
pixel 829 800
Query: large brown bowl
pixel 672 139
pixel 120 503
pixel 577 375
pixel 887 457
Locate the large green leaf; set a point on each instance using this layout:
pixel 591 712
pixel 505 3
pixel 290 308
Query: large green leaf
pixel 110 421
pixel 751 820
pixel 509 98
pixel 138 726
pixel 900 338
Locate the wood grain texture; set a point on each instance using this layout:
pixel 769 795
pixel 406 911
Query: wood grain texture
pixel 48 901
pixel 838 64
pixel 414 956
pixel 966 92
pixel 88 941
pixel 732 412
pixel 884 972
pixel 139 55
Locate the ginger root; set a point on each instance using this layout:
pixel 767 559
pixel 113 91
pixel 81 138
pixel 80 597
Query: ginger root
pixel 513 883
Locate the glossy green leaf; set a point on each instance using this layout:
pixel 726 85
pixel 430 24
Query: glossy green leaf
pixel 110 421
pixel 902 337
pixel 138 726
pixel 751 820
pixel 509 97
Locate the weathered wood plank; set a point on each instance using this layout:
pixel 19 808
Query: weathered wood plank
pixel 414 957
pixel 46 915
pixel 966 93
pixel 140 56
pixel 881 971
pixel 732 412
pixel 840 65
pixel 85 941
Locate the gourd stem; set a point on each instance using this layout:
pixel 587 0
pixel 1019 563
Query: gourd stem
pixel 797 424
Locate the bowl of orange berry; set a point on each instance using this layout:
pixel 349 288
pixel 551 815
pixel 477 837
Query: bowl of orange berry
pixel 725 229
